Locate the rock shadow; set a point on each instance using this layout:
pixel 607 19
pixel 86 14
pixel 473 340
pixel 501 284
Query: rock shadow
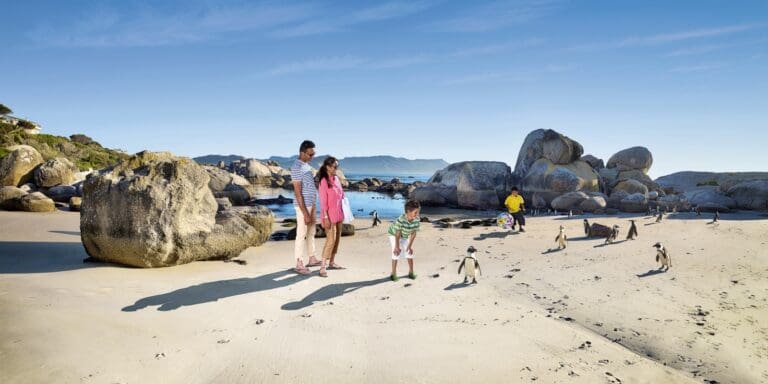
pixel 331 291
pixel 215 290
pixel 42 257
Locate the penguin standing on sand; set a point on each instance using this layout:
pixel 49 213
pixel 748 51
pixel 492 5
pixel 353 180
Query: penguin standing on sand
pixel 561 239
pixel 586 227
pixel 649 212
pixel 570 213
pixel 698 211
pixel 471 266
pixel 376 220
pixel 717 217
pixel 659 217
pixel 662 256
pixel 632 234
pixel 612 235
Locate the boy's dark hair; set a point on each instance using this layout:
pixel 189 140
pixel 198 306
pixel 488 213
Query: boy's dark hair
pixel 515 189
pixel 306 144
pixel 410 205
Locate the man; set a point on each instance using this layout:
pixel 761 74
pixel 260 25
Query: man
pixel 516 207
pixel 305 204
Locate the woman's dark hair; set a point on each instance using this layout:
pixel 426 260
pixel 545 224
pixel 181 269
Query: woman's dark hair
pixel 323 172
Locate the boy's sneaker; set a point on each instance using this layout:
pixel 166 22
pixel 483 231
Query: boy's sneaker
pixel 521 229
pixel 412 276
pixel 394 278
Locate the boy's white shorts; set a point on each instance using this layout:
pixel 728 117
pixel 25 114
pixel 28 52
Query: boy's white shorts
pixel 403 247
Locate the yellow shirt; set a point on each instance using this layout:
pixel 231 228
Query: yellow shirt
pixel 513 203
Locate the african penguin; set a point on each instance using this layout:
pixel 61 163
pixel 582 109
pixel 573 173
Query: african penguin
pixel 471 266
pixel 632 234
pixel 659 217
pixel 717 217
pixel 662 256
pixel 561 239
pixel 612 235
pixel 586 227
pixel 698 211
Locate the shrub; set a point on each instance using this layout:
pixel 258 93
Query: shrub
pixel 26 124
pixel 708 183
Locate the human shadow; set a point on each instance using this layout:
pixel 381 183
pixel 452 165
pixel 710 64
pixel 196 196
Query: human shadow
pixel 606 244
pixel 552 250
pixel 652 272
pixel 329 292
pixel 73 233
pixel 42 257
pixel 494 235
pixel 215 290
pixel 456 286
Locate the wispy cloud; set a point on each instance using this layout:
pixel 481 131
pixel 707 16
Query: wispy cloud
pixel 509 76
pixel 665 38
pixel 148 26
pixel 337 63
pixel 707 48
pixel 497 15
pixel 343 21
pixel 697 68
pixel 491 49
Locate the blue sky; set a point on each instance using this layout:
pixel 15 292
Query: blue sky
pixel 418 79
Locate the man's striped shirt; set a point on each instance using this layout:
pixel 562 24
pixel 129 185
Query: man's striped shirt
pixel 301 171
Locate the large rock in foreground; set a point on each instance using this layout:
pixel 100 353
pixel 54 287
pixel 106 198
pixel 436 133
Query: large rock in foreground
pixel 156 210
pixel 469 184
pixel 16 168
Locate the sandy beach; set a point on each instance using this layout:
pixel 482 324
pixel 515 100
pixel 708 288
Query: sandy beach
pixel 591 313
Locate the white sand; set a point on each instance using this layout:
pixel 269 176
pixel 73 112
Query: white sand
pixel 65 321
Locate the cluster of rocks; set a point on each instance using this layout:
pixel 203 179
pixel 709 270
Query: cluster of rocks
pixel 268 174
pixel 469 184
pixel 394 186
pixel 32 184
pixel 710 191
pixel 155 209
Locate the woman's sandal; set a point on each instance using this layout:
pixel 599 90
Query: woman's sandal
pixel 323 273
pixel 335 266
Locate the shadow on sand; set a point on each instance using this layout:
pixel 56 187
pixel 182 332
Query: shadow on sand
pixel 606 244
pixel 494 235
pixel 456 286
pixel 330 291
pixel 652 272
pixel 215 290
pixel 73 233
pixel 552 250
pixel 38 257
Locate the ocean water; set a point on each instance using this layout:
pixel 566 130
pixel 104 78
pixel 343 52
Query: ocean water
pixel 362 203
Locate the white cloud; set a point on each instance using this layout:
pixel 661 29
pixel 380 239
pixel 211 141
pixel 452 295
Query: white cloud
pixel 665 38
pixel 697 68
pixel 497 15
pixel 491 49
pixel 510 76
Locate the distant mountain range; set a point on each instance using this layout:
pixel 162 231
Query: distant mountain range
pixel 366 164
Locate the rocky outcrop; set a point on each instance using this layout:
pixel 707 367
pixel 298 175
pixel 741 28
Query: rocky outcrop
pixel 228 185
pixel 58 171
pixel 550 180
pixel 593 161
pixel 635 158
pixel 709 197
pixel 569 201
pixel 156 209
pixel 260 218
pixel 469 184
pixel 546 144
pixel 16 168
pixel 750 194
pixel 61 193
pixel 75 203
pixel 635 202
pixel 631 186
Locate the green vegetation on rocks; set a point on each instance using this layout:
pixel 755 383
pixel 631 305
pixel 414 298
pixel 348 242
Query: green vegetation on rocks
pixel 81 151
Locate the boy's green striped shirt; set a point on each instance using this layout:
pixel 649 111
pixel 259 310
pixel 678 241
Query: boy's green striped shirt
pixel 404 226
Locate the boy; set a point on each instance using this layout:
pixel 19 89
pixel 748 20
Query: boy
pixel 516 206
pixel 402 233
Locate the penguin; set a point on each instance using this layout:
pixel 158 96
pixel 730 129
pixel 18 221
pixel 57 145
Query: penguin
pixel 649 212
pixel 561 239
pixel 586 228
pixel 632 234
pixel 663 256
pixel 658 209
pixel 674 209
pixel 613 235
pixel 472 266
pixel 376 220
pixel 698 211
pixel 570 213
pixel 659 217
pixel 717 217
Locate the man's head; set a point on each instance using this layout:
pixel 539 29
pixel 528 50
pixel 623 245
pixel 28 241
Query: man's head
pixel 412 208
pixel 306 150
pixel 515 191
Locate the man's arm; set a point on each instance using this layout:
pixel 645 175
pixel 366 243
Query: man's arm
pixel 300 201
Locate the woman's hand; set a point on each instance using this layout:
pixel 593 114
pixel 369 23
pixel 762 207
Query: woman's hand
pixel 326 224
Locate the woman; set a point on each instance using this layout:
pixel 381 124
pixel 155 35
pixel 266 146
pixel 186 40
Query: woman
pixel 331 213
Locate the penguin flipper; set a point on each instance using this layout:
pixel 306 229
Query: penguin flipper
pixel 477 265
pixel 461 266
